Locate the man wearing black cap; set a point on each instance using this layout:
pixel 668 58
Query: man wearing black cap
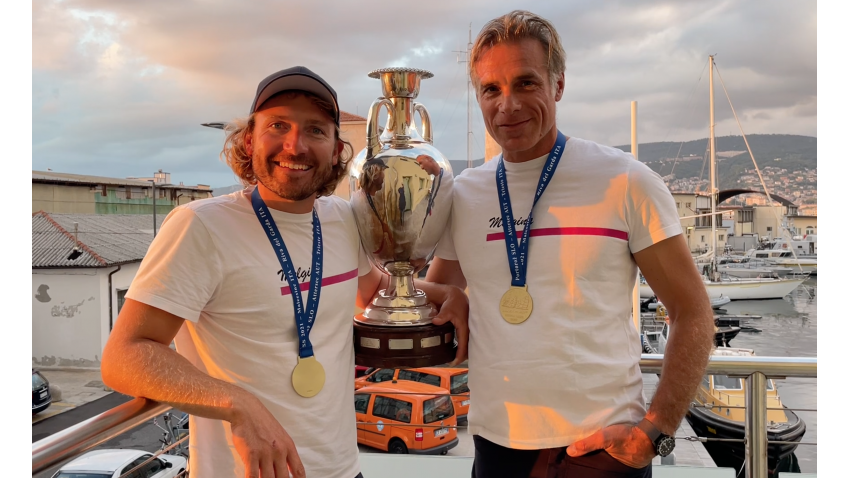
pixel 257 289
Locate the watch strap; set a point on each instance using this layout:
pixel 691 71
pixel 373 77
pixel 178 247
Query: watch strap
pixel 647 427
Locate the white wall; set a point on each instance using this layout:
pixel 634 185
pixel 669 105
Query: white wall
pixel 120 280
pixel 66 316
pixel 70 319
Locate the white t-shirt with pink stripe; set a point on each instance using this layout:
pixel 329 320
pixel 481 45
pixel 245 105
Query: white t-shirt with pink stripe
pixel 212 264
pixel 572 367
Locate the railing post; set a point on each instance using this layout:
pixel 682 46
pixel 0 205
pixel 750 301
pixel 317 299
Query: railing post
pixel 755 427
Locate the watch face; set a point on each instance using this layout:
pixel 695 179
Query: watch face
pixel 666 445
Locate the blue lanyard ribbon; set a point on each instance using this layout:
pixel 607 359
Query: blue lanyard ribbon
pixel 518 252
pixel 305 316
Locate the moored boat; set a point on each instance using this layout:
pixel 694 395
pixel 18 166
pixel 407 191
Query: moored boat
pixel 718 412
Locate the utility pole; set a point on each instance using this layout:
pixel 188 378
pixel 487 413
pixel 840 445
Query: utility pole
pixel 468 60
pixel 153 193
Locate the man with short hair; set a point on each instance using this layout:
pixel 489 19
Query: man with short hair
pixel 548 238
pixel 258 290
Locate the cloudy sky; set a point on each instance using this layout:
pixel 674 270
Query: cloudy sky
pixel 119 88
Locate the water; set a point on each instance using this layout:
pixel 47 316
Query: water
pixel 789 329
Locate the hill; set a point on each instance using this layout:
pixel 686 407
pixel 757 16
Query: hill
pixel 791 152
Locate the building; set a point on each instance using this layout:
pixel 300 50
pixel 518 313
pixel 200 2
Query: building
pixel 54 192
pixel 803 225
pixel 82 265
pixel 352 128
pixel 694 211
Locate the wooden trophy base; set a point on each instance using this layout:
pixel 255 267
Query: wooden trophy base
pixel 404 346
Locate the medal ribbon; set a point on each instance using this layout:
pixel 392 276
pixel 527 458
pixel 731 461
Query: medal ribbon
pixel 518 252
pixel 305 316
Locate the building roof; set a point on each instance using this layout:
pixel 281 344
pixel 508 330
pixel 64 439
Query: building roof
pixel 104 239
pixel 82 179
pixel 346 117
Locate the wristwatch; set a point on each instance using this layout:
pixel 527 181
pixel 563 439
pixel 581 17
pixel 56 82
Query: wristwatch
pixel 664 444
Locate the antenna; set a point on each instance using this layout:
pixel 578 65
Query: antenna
pixel 467 53
pixel 76 251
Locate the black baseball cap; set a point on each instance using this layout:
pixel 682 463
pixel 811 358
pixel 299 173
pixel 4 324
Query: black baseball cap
pixel 295 78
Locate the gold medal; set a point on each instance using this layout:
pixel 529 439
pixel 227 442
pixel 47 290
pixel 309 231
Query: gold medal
pixel 516 305
pixel 308 377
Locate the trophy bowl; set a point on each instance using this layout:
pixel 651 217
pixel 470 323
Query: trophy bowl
pixel 401 193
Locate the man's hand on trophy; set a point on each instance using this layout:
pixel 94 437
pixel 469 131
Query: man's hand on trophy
pixel 454 308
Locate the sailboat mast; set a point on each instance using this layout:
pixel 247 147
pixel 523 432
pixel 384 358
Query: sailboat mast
pixel 712 154
pixel 469 104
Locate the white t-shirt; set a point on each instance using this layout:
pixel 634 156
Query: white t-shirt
pixel 573 366
pixel 212 264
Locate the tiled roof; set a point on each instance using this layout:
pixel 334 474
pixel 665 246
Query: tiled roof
pixel 105 239
pixel 345 117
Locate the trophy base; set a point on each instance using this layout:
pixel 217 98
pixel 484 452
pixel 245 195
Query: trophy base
pixel 412 346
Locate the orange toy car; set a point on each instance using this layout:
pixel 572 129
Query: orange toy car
pixel 406 417
pixel 453 380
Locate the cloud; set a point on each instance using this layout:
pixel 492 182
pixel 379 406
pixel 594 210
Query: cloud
pixel 120 88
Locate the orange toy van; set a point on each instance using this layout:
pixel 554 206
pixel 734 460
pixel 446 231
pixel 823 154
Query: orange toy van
pixel 453 380
pixel 406 417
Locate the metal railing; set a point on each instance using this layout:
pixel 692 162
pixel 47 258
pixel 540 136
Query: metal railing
pixel 86 435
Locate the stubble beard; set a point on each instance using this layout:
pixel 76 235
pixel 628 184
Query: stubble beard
pixel 298 190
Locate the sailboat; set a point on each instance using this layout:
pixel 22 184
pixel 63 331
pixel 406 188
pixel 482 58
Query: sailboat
pixel 716 284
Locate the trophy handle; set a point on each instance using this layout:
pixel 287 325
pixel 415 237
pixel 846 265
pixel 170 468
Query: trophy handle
pixel 373 143
pixel 426 122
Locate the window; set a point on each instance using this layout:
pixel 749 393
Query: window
pixel 136 193
pixel 701 238
pixel 677 205
pixel 769 229
pixel 688 205
pixel 422 377
pixel 119 296
pixel 38 381
pixel 152 468
pixel 720 237
pixel 361 402
pixel 809 230
pixel 383 375
pixel 437 408
pixel 392 409
pixel 138 473
pixel 705 382
pixel 459 383
pixel 725 382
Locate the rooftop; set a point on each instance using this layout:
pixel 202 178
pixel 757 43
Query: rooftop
pixel 104 239
pixel 346 117
pixel 82 179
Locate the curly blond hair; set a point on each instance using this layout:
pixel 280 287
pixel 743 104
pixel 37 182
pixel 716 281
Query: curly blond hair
pixel 235 153
pixel 516 26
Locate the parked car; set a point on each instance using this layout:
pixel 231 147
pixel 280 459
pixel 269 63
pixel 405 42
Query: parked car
pixel 360 370
pixel 406 417
pixel 112 463
pixel 41 398
pixel 453 380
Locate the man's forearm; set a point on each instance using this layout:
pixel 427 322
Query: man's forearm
pixel 685 359
pixel 149 369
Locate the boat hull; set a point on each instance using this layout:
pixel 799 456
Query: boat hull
pixel 732 454
pixel 744 289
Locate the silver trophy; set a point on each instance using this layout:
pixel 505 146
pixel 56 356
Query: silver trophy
pixel 401 193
